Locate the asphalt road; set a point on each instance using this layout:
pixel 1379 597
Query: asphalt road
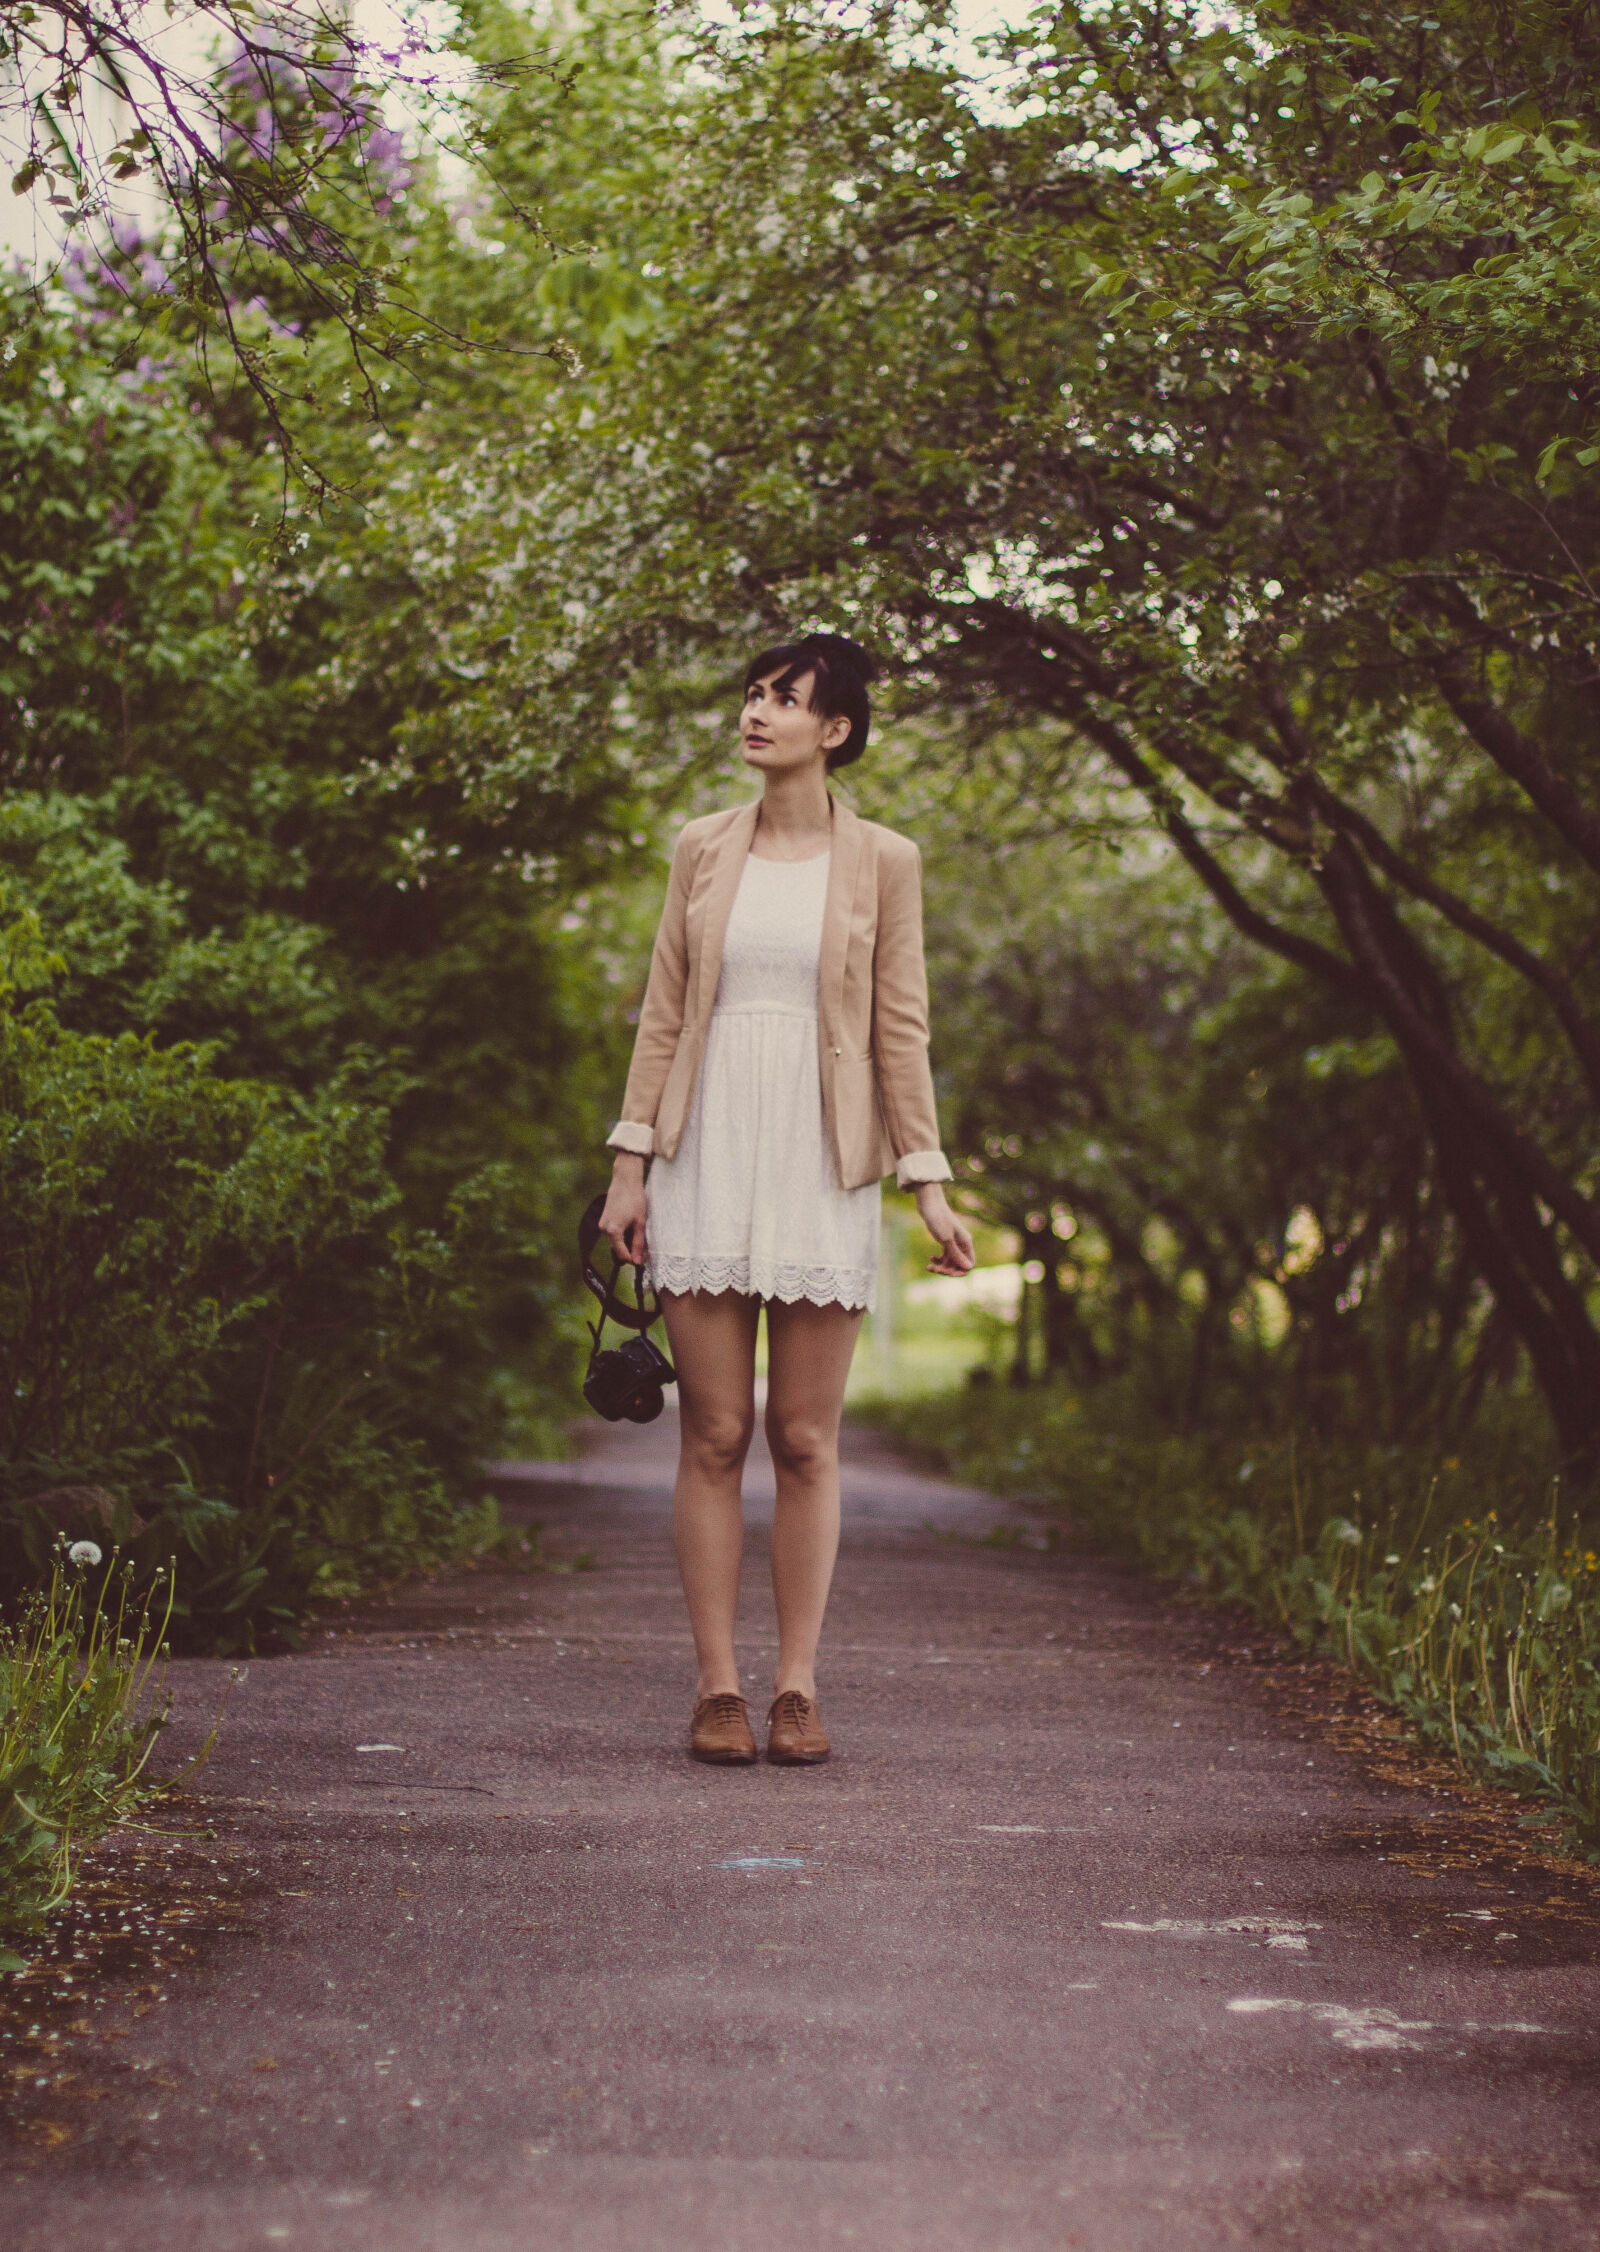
pixel 1083 1939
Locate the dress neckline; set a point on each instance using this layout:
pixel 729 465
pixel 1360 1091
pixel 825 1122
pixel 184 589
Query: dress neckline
pixel 811 860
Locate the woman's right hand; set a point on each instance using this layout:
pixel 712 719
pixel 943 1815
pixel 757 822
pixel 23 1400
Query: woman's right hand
pixel 622 1222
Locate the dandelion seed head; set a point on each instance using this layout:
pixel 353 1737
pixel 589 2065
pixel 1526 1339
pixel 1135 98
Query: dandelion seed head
pixel 83 1552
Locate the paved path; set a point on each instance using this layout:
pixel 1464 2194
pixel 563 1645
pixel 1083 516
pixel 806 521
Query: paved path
pixel 1078 1942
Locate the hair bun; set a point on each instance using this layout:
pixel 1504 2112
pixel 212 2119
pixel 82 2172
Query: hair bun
pixel 845 654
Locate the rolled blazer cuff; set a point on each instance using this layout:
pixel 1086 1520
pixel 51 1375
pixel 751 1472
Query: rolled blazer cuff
pixel 638 1141
pixel 921 1165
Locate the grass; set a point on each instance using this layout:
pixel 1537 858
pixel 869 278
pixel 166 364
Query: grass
pixel 1462 1590
pixel 82 1706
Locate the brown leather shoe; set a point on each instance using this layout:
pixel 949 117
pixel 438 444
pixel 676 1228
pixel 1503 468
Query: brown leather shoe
pixel 794 1733
pixel 720 1731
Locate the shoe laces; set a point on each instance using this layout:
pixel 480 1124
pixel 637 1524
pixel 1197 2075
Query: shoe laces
pixel 792 1705
pixel 723 1706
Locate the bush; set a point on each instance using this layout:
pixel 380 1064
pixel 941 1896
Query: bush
pixel 147 1211
pixel 171 1243
pixel 292 1149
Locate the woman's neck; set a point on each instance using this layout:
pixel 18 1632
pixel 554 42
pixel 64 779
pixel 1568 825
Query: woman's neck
pixel 796 813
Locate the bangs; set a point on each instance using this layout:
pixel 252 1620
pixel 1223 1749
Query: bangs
pixel 790 661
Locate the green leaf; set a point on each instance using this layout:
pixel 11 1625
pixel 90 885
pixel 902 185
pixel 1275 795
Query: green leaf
pixel 1547 459
pixel 1505 146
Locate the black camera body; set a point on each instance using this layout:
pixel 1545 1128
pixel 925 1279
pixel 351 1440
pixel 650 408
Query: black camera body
pixel 624 1383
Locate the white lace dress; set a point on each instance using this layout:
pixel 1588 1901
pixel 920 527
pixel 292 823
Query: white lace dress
pixel 752 1202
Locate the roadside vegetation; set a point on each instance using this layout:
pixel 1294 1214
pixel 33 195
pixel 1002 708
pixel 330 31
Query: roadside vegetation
pixel 1464 1593
pixel 302 1053
pixel 82 1707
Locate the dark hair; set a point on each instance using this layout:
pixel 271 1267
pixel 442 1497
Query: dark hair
pixel 841 671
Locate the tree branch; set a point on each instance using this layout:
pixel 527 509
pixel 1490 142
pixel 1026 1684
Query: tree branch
pixel 1340 814
pixel 1519 756
pixel 1305 953
pixel 1348 889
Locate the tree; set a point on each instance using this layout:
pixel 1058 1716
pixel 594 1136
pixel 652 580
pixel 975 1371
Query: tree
pixel 261 141
pixel 1231 1202
pixel 326 1099
pixel 1180 407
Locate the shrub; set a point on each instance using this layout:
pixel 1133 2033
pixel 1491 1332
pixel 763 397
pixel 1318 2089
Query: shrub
pixel 202 1288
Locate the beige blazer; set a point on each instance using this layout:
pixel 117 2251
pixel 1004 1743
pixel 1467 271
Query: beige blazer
pixel 872 999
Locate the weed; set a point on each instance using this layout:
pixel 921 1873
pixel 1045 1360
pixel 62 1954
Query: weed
pixel 82 1705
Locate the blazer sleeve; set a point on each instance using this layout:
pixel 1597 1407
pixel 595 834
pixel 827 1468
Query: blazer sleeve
pixel 900 1024
pixel 660 1017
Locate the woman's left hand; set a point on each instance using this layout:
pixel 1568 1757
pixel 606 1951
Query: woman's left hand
pixel 956 1255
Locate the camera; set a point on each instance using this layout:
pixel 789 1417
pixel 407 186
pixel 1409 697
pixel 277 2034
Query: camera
pixel 624 1384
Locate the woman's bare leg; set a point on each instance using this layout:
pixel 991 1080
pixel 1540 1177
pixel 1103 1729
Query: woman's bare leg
pixel 713 1341
pixel 808 1360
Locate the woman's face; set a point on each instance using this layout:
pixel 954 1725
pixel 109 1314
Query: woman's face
pixel 779 733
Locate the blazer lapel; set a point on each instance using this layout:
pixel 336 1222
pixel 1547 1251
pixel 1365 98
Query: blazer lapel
pixel 843 867
pixel 730 852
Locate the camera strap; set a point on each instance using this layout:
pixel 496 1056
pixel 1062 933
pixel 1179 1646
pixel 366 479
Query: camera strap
pixel 613 1306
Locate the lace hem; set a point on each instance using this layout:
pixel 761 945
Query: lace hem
pixel 852 1287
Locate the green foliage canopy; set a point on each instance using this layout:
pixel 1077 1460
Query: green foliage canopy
pixel 301 1069
pixel 1211 404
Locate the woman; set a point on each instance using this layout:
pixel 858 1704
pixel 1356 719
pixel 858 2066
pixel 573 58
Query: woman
pixel 780 1069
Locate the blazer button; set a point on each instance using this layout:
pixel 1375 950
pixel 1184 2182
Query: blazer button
pixel 838 1051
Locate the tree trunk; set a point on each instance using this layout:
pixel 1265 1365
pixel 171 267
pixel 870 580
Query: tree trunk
pixel 1021 1373
pixel 1493 1188
pixel 1069 1350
